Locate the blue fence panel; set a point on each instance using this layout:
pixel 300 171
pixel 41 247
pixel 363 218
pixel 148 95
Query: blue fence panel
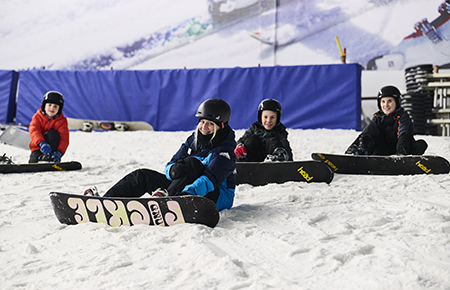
pixel 319 96
pixel 8 91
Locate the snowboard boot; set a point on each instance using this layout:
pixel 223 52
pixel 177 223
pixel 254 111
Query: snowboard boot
pixel 160 193
pixel 366 146
pixel 91 191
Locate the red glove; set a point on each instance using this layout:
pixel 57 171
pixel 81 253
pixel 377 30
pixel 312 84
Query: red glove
pixel 240 151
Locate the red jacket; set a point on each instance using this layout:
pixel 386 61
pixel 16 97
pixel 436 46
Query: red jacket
pixel 40 124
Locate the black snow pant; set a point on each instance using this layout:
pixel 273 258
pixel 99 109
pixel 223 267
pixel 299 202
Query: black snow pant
pixel 257 151
pixel 417 147
pixel 141 181
pixel 52 138
pixel 365 144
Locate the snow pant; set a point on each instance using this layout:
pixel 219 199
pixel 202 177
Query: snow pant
pixel 365 145
pixel 417 148
pixel 257 151
pixel 52 138
pixel 141 181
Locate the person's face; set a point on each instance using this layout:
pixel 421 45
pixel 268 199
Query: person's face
pixel 51 109
pixel 268 119
pixel 206 127
pixel 388 105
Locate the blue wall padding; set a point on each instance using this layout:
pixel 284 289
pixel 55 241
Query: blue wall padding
pixel 8 91
pixel 316 96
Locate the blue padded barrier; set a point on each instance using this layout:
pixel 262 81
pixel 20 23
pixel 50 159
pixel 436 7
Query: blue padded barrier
pixel 316 96
pixel 8 91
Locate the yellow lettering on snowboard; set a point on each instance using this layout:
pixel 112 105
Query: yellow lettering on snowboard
pixel 304 174
pixel 334 167
pixel 423 167
pixel 58 168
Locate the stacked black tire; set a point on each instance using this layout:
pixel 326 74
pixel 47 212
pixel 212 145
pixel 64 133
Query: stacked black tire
pixel 418 101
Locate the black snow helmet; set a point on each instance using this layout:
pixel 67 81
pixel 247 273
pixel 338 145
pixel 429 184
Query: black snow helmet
pixel 53 97
pixel 272 105
pixel 215 110
pixel 389 91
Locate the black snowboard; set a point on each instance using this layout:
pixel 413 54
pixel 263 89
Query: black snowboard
pixel 160 211
pixel 384 165
pixel 38 167
pixel 262 173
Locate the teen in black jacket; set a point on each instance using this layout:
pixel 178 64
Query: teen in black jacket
pixel 266 138
pixel 391 130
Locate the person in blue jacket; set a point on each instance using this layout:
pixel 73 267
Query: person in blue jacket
pixel 205 164
pixel 390 132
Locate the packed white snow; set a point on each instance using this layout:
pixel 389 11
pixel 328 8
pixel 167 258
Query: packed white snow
pixel 358 232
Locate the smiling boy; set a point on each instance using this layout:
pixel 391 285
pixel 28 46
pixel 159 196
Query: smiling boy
pixel 266 139
pixel 49 130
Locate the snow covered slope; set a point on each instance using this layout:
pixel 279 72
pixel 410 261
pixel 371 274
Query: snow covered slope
pixel 358 232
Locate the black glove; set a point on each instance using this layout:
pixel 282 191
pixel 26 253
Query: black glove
pixel 178 169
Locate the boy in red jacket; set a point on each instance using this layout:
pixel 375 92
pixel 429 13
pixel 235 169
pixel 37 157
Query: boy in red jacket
pixel 49 130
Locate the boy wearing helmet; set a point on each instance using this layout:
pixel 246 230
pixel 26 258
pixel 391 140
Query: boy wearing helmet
pixel 266 138
pixel 49 130
pixel 390 132
pixel 204 165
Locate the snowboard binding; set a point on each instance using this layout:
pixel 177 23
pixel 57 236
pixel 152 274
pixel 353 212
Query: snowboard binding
pixel 5 159
pixel 87 127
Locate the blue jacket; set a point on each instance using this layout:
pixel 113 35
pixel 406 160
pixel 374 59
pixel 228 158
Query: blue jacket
pixel 220 168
